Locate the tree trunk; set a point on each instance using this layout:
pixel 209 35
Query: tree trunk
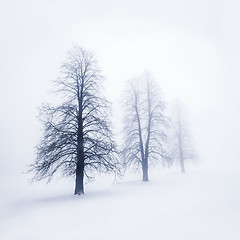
pixel 181 159
pixel 182 165
pixel 79 187
pixel 145 160
pixel 145 172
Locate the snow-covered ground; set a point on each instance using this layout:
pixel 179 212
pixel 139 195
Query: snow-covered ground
pixel 196 205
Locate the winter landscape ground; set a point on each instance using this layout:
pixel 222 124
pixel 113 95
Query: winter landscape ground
pixel 196 205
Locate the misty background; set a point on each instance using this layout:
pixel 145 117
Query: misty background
pixel 190 47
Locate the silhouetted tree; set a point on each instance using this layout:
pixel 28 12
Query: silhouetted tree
pixel 77 135
pixel 144 124
pixel 180 141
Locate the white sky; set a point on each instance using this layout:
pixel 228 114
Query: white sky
pixel 191 47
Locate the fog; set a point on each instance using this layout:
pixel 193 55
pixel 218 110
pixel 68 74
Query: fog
pixel 190 47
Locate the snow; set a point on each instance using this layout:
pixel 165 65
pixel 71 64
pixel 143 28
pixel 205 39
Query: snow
pixel 196 205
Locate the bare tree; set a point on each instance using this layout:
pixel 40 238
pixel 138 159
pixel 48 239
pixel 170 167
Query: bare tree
pixel 145 123
pixel 180 140
pixel 77 134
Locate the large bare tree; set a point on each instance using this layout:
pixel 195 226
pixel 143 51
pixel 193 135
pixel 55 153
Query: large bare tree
pixel 77 135
pixel 180 142
pixel 145 124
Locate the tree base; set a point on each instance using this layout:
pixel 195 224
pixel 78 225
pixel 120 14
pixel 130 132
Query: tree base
pixel 79 193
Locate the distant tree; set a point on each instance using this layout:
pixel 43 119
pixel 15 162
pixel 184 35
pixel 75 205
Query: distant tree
pixel 77 137
pixel 144 124
pixel 180 141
